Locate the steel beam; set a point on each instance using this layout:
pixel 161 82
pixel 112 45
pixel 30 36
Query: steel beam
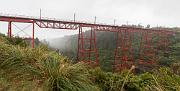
pixel 9 29
pixel 33 35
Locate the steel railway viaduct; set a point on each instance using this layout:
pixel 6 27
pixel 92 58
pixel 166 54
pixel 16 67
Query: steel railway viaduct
pixel 87 51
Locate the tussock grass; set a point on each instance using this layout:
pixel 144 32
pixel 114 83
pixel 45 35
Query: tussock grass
pixel 25 68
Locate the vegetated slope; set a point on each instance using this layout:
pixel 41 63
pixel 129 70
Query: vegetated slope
pixel 23 68
pixel 26 69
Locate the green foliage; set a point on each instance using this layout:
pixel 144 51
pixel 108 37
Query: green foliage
pixel 168 79
pixel 15 68
pixel 39 69
pixel 17 41
pixel 33 69
pixel 66 77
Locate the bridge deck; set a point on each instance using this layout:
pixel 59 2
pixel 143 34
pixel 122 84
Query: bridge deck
pixel 44 22
pixel 52 21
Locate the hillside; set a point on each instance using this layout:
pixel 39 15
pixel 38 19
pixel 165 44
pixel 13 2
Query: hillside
pixel 23 68
pixel 106 43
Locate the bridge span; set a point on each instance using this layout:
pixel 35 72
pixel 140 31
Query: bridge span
pixel 123 54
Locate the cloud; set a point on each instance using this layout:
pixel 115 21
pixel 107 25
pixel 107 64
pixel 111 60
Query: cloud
pixel 161 12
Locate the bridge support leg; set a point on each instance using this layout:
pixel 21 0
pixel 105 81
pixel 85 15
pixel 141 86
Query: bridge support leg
pixel 33 35
pixel 123 58
pixel 80 54
pixel 87 51
pixel 95 47
pixel 9 29
pixel 146 50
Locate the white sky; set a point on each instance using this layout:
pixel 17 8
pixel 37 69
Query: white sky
pixel 153 12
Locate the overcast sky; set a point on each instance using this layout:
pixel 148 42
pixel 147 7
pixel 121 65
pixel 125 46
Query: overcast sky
pixel 153 12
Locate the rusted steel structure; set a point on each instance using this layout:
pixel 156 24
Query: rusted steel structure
pixel 123 53
pixel 87 51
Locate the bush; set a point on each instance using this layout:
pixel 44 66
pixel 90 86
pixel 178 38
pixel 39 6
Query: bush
pixel 25 68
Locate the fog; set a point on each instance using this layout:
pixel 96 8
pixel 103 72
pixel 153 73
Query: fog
pixel 153 12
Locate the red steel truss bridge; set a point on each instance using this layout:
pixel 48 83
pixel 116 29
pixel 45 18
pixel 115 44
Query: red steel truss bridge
pixel 87 51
